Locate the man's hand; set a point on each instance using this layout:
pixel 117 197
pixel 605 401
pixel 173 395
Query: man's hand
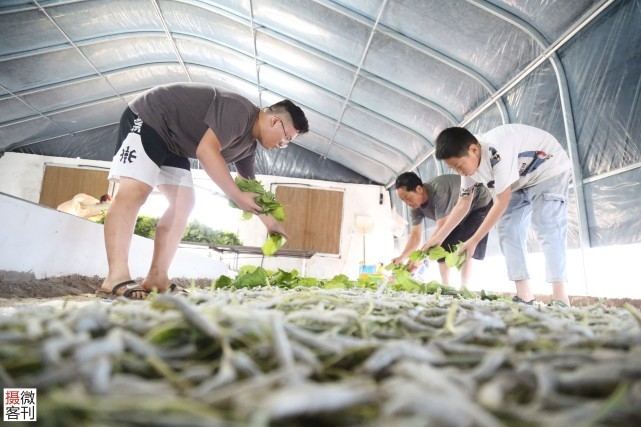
pixel 273 226
pixel 247 202
pixel 413 266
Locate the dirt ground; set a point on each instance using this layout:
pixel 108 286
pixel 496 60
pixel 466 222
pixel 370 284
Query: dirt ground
pixel 19 289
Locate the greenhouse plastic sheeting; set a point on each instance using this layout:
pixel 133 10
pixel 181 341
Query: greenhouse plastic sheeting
pixel 378 79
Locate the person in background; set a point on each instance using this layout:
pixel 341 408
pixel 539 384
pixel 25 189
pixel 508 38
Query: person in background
pixel 85 206
pixel 528 172
pixel 434 200
pixel 160 131
pixel 105 198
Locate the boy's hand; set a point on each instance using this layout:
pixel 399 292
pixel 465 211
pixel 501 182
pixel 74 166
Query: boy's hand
pixel 430 243
pixel 469 247
pixel 398 260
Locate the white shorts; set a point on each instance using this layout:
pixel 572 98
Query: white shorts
pixel 131 161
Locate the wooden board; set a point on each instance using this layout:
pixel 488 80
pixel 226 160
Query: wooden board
pixel 314 218
pixel 60 184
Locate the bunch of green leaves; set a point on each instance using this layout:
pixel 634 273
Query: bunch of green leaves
pixel 195 232
pixel 490 297
pixel 146 226
pixel 200 233
pixel 433 253
pixel 370 282
pixel 454 260
pixel 340 281
pixel 273 243
pixel 403 281
pixel 291 279
pixel 403 278
pixel 251 277
pixel 418 255
pixel 397 269
pixel 265 199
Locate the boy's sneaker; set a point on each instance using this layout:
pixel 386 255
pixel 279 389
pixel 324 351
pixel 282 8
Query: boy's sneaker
pixel 557 303
pixel 520 301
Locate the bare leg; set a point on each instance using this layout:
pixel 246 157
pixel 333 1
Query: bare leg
pixel 559 293
pixel 169 232
pixel 445 273
pixel 523 290
pixel 466 273
pixel 119 228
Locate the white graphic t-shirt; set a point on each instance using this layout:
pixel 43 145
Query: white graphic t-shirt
pixel 519 156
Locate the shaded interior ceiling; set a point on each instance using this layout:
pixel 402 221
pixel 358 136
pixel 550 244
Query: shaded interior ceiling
pixel 378 79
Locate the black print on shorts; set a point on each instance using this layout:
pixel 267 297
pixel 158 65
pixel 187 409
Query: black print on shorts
pixel 127 156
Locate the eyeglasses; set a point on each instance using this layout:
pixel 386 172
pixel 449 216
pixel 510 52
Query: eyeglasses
pixel 286 140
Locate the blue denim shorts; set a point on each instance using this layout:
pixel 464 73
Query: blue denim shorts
pixel 544 207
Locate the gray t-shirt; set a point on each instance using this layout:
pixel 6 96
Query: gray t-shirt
pixel 443 193
pixel 181 113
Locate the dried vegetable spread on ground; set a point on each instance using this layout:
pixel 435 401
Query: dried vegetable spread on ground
pixel 335 357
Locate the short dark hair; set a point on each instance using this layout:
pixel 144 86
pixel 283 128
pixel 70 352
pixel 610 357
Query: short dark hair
pixel 105 198
pixel 454 142
pixel 408 180
pixel 295 112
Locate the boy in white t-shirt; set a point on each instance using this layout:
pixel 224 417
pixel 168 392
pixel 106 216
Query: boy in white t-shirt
pixel 527 171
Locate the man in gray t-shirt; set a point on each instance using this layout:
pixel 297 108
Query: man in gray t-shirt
pixel 159 132
pixel 435 200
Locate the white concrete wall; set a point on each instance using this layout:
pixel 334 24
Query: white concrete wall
pixel 21 176
pixel 49 243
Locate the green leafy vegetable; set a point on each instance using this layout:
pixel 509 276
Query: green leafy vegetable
pixel 436 253
pixel 453 260
pixel 397 268
pixel 250 276
pixel 223 281
pixel 417 255
pixel 200 233
pixel 273 243
pixel 258 277
pixel 265 199
pixel 195 232
pixel 489 297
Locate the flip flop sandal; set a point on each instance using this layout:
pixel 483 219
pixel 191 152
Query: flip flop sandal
pixel 175 289
pixel 557 303
pixel 130 288
pixel 521 301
